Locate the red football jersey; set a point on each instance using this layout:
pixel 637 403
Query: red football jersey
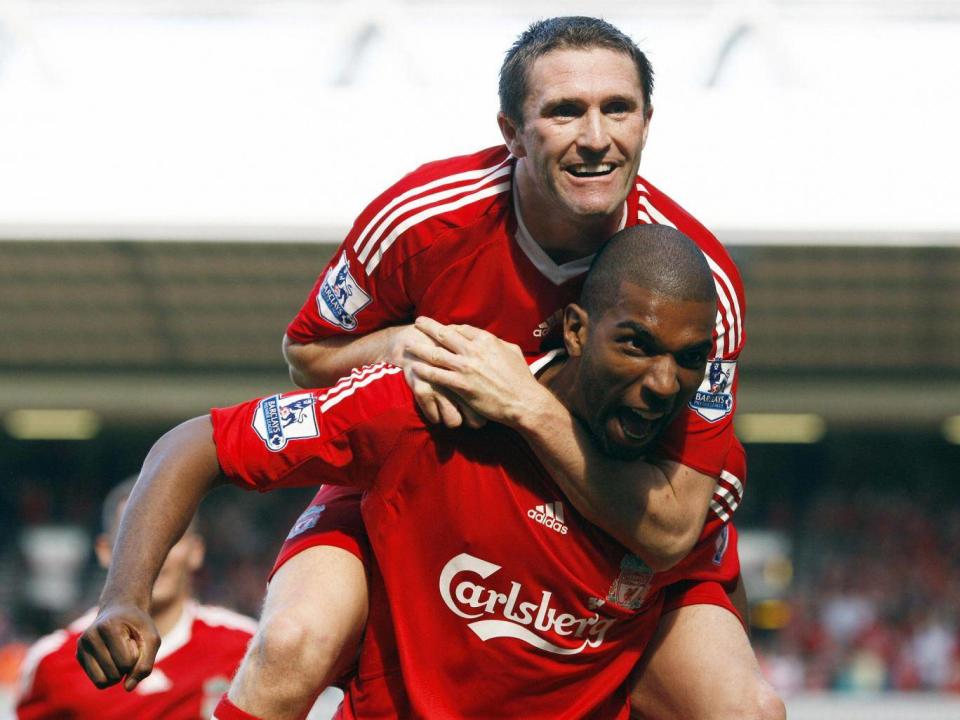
pixel 491 596
pixel 446 242
pixel 197 659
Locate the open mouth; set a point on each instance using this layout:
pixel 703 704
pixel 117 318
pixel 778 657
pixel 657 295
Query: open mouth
pixel 638 426
pixel 584 170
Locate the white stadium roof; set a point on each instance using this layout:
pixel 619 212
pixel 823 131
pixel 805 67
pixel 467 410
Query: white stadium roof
pixel 281 120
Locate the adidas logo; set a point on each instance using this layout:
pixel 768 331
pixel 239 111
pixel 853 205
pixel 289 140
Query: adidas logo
pixel 549 515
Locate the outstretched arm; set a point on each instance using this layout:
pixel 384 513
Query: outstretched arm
pixel 179 470
pixel 655 508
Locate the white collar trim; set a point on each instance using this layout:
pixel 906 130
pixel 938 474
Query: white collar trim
pixel 557 274
pixel 179 635
pixel 538 365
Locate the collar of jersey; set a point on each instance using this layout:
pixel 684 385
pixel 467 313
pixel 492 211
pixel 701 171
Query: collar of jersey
pixel 179 634
pixel 557 274
pixel 542 362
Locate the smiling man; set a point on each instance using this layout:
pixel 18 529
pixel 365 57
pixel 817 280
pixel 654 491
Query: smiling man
pixel 479 609
pixel 501 239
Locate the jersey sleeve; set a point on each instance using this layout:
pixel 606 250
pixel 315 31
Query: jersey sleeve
pixel 348 298
pixel 380 272
pixel 333 436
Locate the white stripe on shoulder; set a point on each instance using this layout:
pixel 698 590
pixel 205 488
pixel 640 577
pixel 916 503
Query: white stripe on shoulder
pixel 84 621
pixel 725 290
pixel 719 511
pixel 329 400
pixel 346 380
pixel 429 213
pixel 459 177
pixel 223 617
pixel 47 645
pixel 733 313
pixel 733 480
pixel 427 200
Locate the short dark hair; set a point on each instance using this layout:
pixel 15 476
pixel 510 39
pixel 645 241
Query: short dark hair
pixel 576 32
pixel 656 257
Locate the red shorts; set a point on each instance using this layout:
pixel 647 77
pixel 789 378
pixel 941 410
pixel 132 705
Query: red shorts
pixel 707 575
pixel 704 577
pixel 331 518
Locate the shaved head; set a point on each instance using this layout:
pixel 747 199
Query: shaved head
pixel 656 257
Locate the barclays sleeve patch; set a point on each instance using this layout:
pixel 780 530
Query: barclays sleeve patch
pixel 340 297
pixel 713 400
pixel 279 419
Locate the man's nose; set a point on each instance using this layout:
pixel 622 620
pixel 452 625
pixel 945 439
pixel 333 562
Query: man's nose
pixel 661 379
pixel 593 132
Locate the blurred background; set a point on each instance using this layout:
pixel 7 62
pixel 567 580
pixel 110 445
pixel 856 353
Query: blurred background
pixel 174 175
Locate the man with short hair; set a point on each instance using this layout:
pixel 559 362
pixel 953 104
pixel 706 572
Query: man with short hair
pixel 202 645
pixel 501 239
pixel 479 607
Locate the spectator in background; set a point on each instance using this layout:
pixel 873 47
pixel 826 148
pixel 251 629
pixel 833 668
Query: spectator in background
pixel 201 649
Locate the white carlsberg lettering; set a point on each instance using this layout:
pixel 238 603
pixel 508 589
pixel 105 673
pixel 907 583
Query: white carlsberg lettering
pixel 512 619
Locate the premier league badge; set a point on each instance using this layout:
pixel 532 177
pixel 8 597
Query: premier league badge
pixel 714 398
pixel 632 584
pixel 340 297
pixel 279 419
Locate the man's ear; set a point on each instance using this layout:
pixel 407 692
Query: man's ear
pixel 198 551
pixel 648 116
pixel 103 549
pixel 575 322
pixel 511 135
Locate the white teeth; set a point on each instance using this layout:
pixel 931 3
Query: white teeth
pixel 588 170
pixel 646 414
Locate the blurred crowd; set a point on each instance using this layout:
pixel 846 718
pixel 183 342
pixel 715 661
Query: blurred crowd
pixel 875 599
pixel 873 604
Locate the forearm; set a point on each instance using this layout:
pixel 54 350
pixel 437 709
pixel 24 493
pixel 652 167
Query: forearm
pixel 323 362
pixel 655 509
pixel 178 471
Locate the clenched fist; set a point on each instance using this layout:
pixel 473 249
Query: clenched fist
pixel 121 643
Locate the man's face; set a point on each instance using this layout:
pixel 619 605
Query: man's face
pixel 173 582
pixel 583 132
pixel 638 364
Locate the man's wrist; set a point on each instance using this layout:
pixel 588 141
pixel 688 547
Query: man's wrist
pixel 536 411
pixel 125 598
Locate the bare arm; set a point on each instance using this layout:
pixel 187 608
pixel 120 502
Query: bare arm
pixel 179 470
pixel 656 509
pixel 322 362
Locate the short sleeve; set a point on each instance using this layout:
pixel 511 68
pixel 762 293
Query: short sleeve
pixel 314 437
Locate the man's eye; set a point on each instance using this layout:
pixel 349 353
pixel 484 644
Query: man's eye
pixel 693 359
pixel 565 110
pixel 636 345
pixel 617 108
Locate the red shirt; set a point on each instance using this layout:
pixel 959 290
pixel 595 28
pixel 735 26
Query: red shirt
pixel 491 596
pixel 446 242
pixel 196 661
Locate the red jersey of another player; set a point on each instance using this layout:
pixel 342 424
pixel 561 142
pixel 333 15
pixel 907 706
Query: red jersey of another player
pixel 491 596
pixel 197 659
pixel 447 242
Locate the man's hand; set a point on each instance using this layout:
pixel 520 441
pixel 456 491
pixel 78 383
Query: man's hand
pixel 122 641
pixel 410 349
pixel 488 374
